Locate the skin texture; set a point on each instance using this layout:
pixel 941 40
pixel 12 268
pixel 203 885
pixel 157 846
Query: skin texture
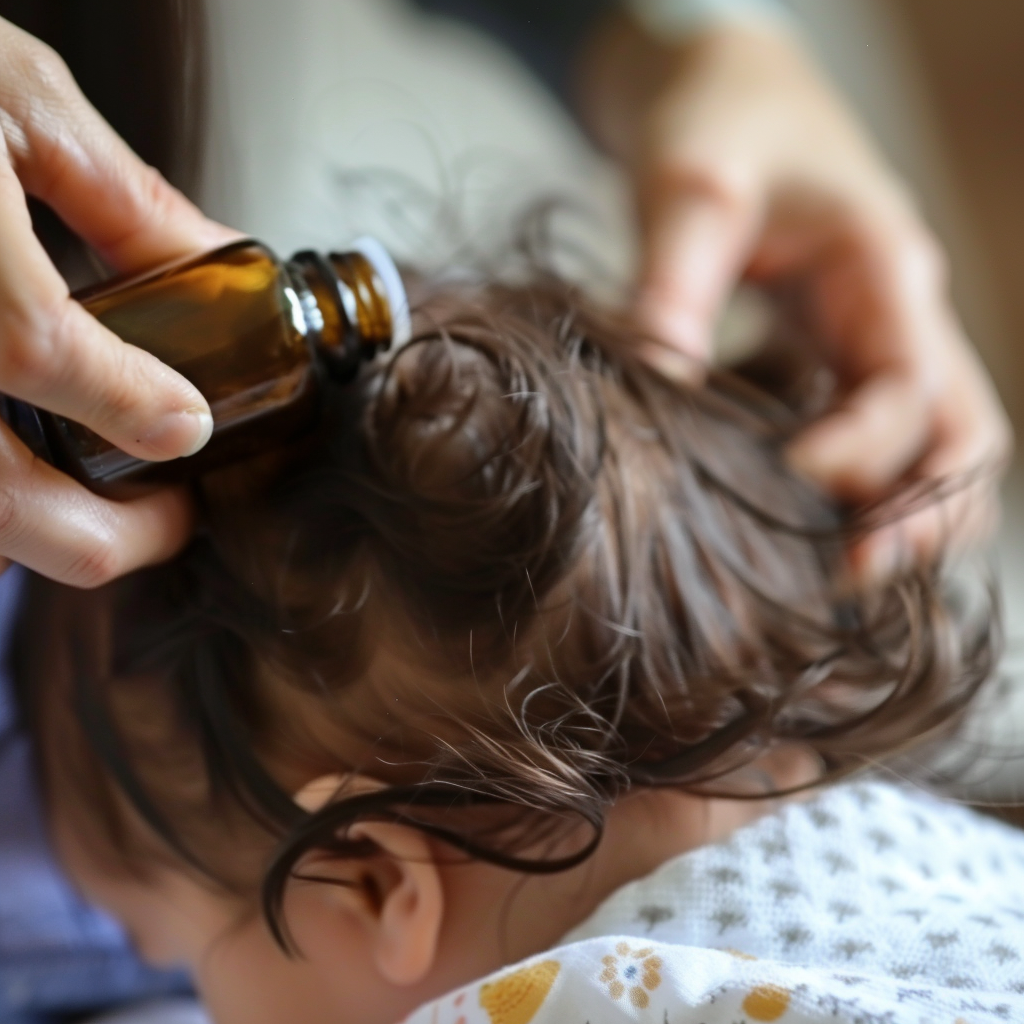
pixel 397 929
pixel 54 146
pixel 746 164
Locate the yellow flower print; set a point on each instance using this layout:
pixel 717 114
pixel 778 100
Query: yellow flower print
pixel 766 1002
pixel 516 998
pixel 739 954
pixel 632 971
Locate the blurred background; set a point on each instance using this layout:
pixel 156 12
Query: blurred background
pixel 432 135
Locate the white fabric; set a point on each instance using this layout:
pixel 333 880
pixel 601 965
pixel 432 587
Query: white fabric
pixel 868 905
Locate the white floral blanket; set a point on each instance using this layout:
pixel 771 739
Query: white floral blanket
pixel 872 904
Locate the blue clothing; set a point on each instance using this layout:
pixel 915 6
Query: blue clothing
pixel 58 954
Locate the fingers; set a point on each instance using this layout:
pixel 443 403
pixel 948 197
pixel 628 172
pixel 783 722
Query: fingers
pixel 51 353
pixel 949 501
pixel 698 226
pixel 877 294
pixel 953 517
pixel 65 154
pixel 886 416
pixel 706 162
pixel 61 530
pixel 54 355
pixel 751 165
pixel 958 477
pixel 921 429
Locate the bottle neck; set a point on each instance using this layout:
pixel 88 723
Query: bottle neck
pixel 349 307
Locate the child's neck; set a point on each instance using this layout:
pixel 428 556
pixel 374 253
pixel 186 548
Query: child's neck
pixel 495 917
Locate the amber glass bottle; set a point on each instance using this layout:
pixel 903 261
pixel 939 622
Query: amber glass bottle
pixel 256 335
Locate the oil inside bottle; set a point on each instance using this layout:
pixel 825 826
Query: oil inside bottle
pixel 253 334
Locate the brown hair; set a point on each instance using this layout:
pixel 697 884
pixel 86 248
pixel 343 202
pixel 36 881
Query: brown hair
pixel 515 573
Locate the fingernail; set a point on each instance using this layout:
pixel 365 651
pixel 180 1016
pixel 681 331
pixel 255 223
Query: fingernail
pixel 678 327
pixel 204 432
pixel 677 366
pixel 179 434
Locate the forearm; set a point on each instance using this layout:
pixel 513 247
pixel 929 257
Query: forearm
pixel 629 70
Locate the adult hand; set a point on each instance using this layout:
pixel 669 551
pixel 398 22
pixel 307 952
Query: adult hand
pixel 54 355
pixel 747 164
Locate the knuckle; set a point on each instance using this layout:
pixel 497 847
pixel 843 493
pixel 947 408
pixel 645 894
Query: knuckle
pixel 40 68
pixel 154 201
pixel 11 520
pixel 92 558
pixel 154 185
pixel 119 399
pixel 903 244
pixel 30 337
pixel 923 257
pixel 94 566
pixel 715 181
pixel 17 482
pixel 156 196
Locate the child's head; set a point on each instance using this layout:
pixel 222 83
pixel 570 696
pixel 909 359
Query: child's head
pixel 514 575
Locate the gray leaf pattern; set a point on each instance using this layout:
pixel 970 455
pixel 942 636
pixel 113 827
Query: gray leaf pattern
pixel 784 889
pixel 837 861
pixel 939 940
pixel 850 948
pixel 842 910
pixel 653 915
pixel 726 919
pixel 1002 953
pixel 851 883
pixel 795 935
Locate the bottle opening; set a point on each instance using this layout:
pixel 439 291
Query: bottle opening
pixel 398 300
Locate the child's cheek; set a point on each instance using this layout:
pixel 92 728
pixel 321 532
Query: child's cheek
pixel 160 914
pixel 244 978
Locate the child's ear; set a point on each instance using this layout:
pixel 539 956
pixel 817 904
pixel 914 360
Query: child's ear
pixel 394 897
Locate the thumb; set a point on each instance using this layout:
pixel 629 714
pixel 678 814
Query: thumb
pixel 696 239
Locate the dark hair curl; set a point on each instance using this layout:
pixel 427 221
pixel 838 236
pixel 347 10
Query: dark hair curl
pixel 569 575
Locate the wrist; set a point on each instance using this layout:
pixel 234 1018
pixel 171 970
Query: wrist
pixel 629 77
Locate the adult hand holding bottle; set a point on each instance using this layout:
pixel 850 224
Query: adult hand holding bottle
pixel 57 148
pixel 746 163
